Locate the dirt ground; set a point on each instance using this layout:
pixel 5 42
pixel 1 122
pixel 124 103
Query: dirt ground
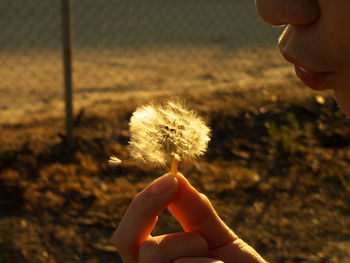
pixel 276 169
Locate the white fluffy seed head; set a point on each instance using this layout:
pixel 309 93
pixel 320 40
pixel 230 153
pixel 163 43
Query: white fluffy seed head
pixel 161 132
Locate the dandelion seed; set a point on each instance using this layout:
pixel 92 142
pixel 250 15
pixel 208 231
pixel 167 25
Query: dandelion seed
pixel 167 133
pixel 114 161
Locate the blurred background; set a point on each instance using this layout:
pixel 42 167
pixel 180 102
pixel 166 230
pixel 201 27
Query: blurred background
pixel 277 164
pixel 119 46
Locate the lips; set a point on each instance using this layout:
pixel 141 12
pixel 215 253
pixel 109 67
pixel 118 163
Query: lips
pixel 312 78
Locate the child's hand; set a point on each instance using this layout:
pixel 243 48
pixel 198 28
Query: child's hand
pixel 206 238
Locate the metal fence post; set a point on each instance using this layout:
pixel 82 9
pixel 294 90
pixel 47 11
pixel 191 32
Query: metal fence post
pixel 67 67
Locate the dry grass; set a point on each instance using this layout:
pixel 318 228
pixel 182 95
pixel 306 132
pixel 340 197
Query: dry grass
pixel 32 81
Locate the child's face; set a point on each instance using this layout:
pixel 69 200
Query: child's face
pixel 316 41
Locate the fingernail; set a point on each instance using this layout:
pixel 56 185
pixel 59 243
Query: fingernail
pixel 162 184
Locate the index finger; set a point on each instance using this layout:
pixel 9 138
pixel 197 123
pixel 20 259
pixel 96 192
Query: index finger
pixel 141 216
pixel 196 214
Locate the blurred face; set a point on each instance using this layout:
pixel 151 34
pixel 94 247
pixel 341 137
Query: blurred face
pixel 316 40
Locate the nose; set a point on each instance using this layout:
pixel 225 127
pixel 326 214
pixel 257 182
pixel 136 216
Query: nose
pixel 295 12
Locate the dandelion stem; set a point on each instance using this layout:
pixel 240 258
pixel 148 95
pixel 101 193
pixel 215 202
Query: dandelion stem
pixel 174 166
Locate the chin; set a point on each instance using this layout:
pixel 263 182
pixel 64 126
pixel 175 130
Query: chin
pixel 343 101
pixel 345 110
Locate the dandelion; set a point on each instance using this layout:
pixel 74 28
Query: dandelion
pixel 166 133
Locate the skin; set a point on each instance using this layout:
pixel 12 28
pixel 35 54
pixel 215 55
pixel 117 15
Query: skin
pixel 205 239
pixel 317 37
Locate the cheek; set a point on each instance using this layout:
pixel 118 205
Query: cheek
pixel 341 54
pixel 335 23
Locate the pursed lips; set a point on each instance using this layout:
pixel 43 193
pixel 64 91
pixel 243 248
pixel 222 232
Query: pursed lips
pixel 309 76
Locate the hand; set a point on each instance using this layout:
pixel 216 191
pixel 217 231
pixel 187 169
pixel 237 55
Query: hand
pixel 206 237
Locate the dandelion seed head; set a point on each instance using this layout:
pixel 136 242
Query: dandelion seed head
pixel 161 132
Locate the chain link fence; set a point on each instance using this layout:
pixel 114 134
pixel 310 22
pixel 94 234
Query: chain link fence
pixel 119 46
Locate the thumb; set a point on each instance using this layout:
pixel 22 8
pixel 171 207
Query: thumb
pixel 196 214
